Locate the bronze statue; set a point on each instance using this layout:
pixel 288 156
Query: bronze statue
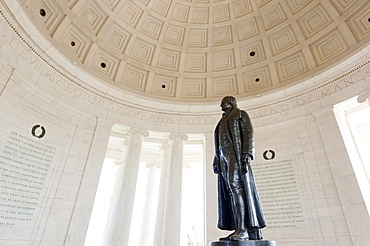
pixel 239 206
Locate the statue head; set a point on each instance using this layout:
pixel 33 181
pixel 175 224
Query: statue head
pixel 228 102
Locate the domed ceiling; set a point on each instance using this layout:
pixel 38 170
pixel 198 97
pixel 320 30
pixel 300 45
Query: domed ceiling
pixel 201 50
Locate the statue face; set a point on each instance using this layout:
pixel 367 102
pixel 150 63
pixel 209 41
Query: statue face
pixel 225 104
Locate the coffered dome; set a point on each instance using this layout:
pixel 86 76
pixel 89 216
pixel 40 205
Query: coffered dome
pixel 201 50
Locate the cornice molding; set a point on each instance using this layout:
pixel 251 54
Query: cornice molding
pixel 135 103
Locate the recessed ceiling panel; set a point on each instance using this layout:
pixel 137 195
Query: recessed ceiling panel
pixel 200 50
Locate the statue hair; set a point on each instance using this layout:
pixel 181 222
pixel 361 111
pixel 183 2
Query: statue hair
pixel 231 100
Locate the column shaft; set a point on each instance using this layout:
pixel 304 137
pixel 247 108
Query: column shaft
pixel 146 227
pixel 212 232
pixel 172 223
pixel 125 203
pixel 86 195
pixel 163 186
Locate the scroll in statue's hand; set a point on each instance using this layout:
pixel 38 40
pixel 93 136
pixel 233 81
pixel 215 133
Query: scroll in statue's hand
pixel 246 160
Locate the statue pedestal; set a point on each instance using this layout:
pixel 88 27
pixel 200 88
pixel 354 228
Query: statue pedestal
pixel 243 243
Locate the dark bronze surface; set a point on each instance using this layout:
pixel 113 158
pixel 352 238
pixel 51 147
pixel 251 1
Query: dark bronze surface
pixel 239 207
pixel 243 243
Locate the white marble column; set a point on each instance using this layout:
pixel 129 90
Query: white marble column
pixel 113 206
pixel 125 203
pixel 147 226
pixel 172 216
pixel 86 194
pixel 212 232
pixel 163 186
pixel 339 182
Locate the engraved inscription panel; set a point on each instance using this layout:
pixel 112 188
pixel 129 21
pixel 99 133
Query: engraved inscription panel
pixel 277 187
pixel 25 166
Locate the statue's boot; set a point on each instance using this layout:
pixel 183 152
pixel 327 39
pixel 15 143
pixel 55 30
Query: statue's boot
pixel 241 233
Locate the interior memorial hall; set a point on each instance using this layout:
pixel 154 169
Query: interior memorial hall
pixel 108 110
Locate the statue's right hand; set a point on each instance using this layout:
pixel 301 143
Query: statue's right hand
pixel 216 168
pixel 216 165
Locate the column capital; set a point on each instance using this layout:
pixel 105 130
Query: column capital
pixel 165 145
pixel 153 164
pixel 104 122
pixel 363 97
pixel 181 136
pixel 135 130
pixel 324 112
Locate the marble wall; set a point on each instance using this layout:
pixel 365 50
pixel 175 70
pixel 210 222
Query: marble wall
pixel 56 121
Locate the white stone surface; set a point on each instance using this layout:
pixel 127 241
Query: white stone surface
pixel 297 122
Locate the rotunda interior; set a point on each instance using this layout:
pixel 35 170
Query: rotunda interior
pixel 109 109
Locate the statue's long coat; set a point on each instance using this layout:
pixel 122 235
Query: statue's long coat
pixel 236 138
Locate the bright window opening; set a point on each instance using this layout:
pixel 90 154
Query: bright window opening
pixel 101 218
pixel 192 217
pixel 148 191
pixel 354 122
